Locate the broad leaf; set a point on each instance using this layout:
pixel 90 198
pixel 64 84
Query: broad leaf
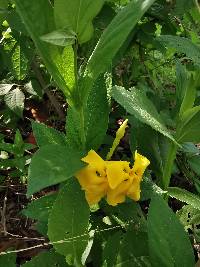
pixel 15 101
pixel 136 103
pixel 115 35
pixel 51 165
pixel 77 16
pixel 39 20
pixel 182 45
pixel 194 163
pixel 8 260
pixel 40 208
pixel 95 110
pixel 45 135
pixel 189 217
pixel 169 244
pixel 68 221
pixel 111 250
pixel 5 88
pixel 184 196
pixel 46 259
pixel 189 94
pixel 60 37
pixel 189 130
pixel 19 60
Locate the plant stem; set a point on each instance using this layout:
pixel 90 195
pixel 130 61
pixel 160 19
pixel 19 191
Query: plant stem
pixel 171 155
pixel 82 127
pixel 81 108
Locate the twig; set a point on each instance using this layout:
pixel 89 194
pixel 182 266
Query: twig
pixel 51 97
pixel 68 240
pixel 3 215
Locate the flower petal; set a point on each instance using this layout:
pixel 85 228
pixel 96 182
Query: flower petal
pixel 94 159
pixel 118 195
pixel 93 198
pixel 140 165
pixel 117 172
pixel 134 190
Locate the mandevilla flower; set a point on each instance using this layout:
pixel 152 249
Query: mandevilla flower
pixel 111 179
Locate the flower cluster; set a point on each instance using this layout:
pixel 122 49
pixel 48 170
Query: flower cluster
pixel 113 179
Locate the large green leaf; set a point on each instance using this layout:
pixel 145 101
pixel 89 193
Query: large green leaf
pixel 77 15
pixel 40 208
pixel 181 45
pixel 15 100
pixel 39 20
pixel 169 244
pixel 189 217
pixel 194 163
pixel 189 94
pixel 68 221
pixel 8 260
pixel 45 135
pixel 95 110
pixel 184 196
pixel 136 103
pixel 126 250
pixel 19 60
pixel 111 250
pixel 46 259
pixel 51 165
pixel 115 35
pixel 5 88
pixel 60 37
pixel 189 129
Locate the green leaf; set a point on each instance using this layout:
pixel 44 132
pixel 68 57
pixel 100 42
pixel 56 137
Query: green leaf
pixel 77 16
pixel 69 221
pixel 127 250
pixel 18 145
pixel 181 83
pixel 96 114
pixel 136 103
pixel 189 130
pixel 5 88
pixel 184 196
pixel 169 245
pixel 15 101
pixel 19 60
pixel 66 67
pixel 8 260
pixel 182 45
pixel 111 250
pixel 40 208
pixel 51 165
pixel 46 259
pixel 115 35
pixel 60 37
pixel 139 139
pixel 45 135
pixel 95 110
pixel 189 94
pixel 39 20
pixel 189 216
pixel 194 163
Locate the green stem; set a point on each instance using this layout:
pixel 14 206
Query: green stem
pixel 171 155
pixel 82 128
pixel 77 95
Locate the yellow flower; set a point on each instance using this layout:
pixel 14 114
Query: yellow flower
pixel 92 178
pixel 113 179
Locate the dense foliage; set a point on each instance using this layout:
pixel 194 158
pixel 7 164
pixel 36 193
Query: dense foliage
pixel 98 194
